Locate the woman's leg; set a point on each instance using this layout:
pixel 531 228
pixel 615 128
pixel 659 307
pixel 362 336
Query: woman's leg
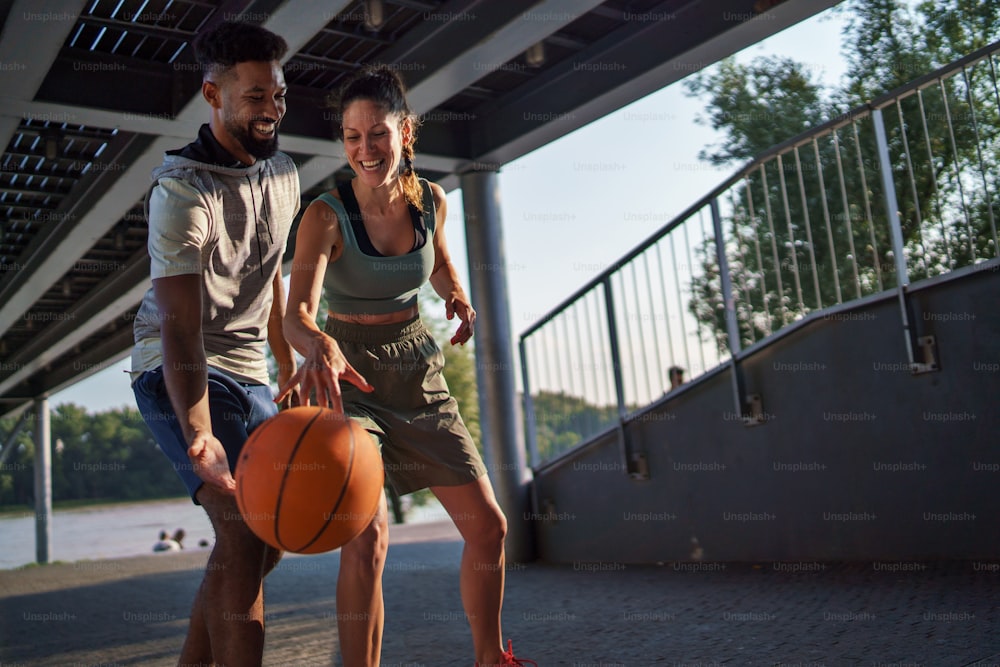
pixel 360 611
pixel 479 519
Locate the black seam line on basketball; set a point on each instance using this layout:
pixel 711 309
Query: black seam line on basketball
pixel 343 490
pixel 243 452
pixel 284 478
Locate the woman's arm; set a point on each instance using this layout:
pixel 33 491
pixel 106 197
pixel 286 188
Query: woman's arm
pixel 444 278
pixel 317 243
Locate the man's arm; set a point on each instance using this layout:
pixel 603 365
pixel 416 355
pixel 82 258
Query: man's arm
pixel 185 373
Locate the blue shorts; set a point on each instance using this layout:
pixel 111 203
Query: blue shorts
pixel 237 408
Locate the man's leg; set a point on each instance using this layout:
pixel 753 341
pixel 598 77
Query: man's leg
pixel 227 620
pixel 197 650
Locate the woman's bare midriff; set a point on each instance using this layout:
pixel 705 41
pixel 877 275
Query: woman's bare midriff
pixel 381 318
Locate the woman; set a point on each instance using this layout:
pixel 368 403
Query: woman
pixel 370 245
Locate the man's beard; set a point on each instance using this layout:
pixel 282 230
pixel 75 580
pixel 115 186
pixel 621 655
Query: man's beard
pixel 259 148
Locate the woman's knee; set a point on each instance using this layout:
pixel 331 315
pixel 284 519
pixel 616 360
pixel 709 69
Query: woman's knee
pixel 488 529
pixel 368 550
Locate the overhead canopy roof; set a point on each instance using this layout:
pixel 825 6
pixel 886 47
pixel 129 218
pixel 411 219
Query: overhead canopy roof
pixel 95 91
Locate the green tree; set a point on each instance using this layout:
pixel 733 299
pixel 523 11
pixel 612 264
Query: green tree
pixel 756 106
pixel 562 421
pixel 883 50
pixel 107 456
pixel 785 258
pixel 954 28
pixel 16 473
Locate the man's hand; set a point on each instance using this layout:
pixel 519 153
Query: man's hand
pixel 209 462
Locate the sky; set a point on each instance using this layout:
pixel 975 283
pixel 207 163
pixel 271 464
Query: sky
pixel 571 208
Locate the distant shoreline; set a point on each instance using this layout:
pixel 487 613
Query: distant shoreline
pixel 20 511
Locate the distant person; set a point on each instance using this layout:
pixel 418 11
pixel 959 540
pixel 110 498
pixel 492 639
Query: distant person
pixel 676 375
pixel 219 212
pixel 166 543
pixel 179 537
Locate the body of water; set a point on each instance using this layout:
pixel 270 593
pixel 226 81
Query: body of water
pixel 119 531
pixel 104 531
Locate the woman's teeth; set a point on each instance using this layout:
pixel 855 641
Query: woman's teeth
pixel 371 164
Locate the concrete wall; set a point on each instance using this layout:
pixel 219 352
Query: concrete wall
pixel 858 459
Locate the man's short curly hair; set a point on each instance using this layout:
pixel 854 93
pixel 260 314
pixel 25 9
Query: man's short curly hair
pixel 233 42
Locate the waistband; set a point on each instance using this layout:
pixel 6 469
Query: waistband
pixel 396 332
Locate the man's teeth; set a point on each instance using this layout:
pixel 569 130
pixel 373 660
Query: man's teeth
pixel 264 128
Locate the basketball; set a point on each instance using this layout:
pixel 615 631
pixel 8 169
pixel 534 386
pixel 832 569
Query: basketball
pixel 308 480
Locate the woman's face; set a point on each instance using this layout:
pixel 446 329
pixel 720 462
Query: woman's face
pixel 374 140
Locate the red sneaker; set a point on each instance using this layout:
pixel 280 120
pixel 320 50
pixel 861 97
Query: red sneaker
pixel 508 659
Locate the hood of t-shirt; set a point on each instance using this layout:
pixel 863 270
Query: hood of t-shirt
pixel 209 176
pixel 174 166
pixel 205 154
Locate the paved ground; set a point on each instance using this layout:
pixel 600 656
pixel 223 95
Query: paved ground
pixel 133 611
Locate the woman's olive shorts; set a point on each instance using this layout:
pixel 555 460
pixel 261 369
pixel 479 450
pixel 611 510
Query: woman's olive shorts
pixel 411 413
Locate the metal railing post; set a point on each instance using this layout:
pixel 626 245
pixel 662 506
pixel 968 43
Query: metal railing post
pixel 531 432
pixel 616 369
pixel 895 230
pixel 616 363
pixel 732 325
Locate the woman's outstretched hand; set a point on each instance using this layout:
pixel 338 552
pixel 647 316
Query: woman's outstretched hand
pixel 321 371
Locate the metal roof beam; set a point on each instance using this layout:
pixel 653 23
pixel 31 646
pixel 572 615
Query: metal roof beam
pixel 24 32
pixel 151 86
pixel 101 306
pixel 297 24
pixel 523 30
pixel 105 353
pixel 111 300
pixel 38 29
pixel 557 95
pixel 102 216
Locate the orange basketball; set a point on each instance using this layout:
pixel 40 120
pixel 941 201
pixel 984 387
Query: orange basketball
pixel 308 480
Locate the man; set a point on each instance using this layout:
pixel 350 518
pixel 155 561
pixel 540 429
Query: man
pixel 219 215
pixel 676 375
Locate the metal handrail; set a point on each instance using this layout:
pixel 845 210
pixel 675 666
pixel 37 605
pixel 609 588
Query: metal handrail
pixel 795 142
pixel 783 208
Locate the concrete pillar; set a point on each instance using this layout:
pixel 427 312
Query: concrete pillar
pixel 495 371
pixel 43 482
